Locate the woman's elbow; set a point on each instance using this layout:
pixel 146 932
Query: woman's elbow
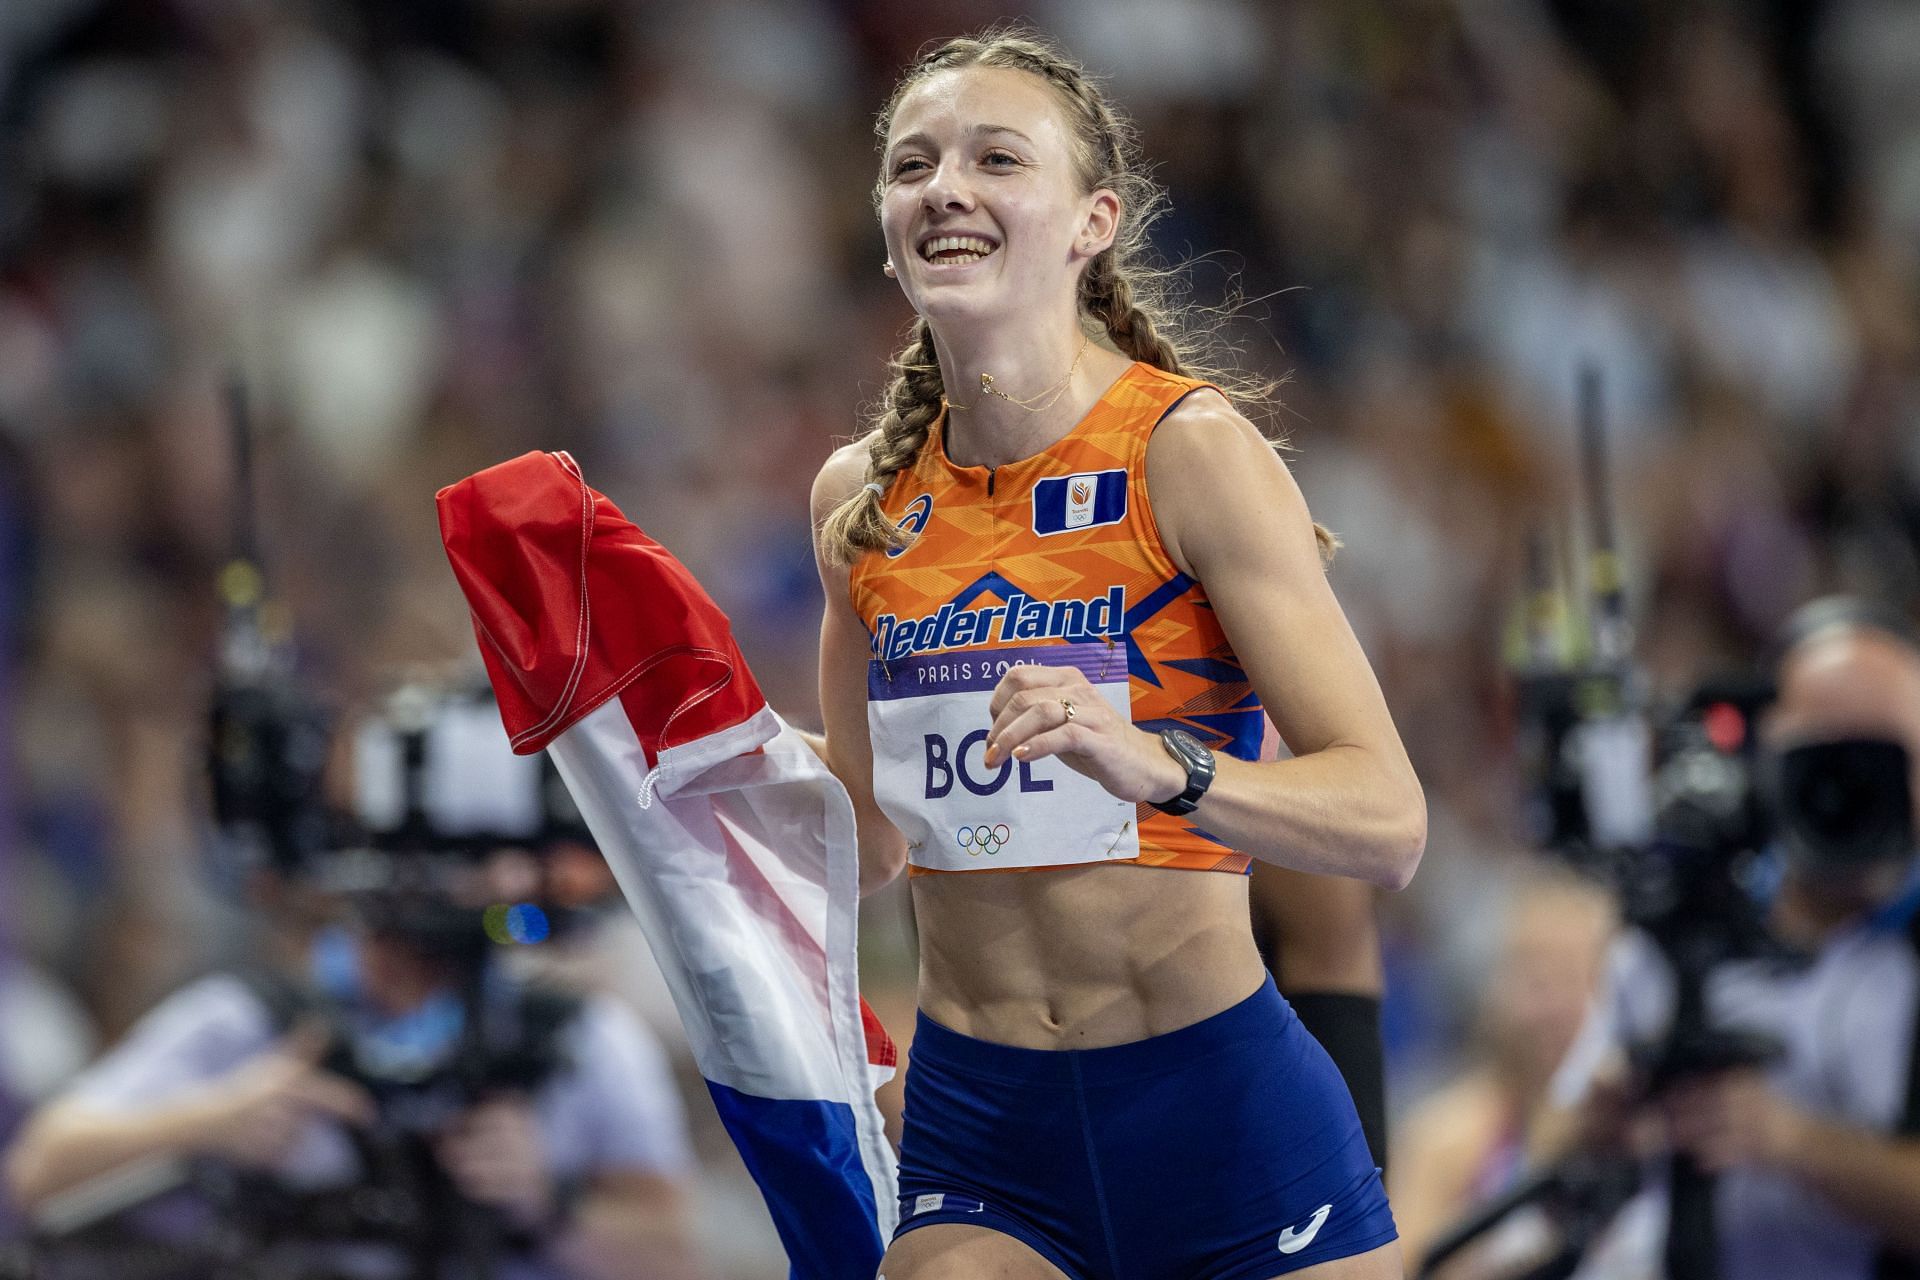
pixel 1401 851
pixel 881 862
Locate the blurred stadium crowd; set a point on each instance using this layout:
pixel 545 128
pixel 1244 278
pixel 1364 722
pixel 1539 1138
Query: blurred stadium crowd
pixel 437 233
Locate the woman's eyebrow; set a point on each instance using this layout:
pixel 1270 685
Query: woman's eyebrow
pixel 1003 128
pixel 921 139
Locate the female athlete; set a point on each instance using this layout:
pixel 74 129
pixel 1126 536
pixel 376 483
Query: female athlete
pixel 1064 580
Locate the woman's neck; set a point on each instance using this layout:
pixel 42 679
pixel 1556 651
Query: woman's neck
pixel 1060 376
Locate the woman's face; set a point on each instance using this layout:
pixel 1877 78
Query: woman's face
pixel 981 202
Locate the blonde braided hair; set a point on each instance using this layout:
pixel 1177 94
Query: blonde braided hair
pixel 1132 301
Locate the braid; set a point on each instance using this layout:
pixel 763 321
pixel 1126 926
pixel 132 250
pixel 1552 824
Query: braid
pixel 1108 297
pixel 910 407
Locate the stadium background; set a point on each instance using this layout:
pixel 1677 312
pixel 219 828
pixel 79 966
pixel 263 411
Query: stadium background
pixel 437 233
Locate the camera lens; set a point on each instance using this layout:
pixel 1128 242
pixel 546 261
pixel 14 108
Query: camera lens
pixel 1845 803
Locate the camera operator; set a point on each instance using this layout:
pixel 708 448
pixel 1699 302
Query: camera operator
pixel 1817 1153
pixel 570 1160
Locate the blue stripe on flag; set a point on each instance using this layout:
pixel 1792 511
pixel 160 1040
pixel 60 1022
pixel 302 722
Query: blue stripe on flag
pixel 805 1156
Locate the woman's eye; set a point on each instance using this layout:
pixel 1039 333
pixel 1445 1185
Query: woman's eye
pixel 909 165
pixel 1001 159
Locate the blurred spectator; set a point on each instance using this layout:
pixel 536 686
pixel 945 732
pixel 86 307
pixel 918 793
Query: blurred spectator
pixel 551 1132
pixel 1467 1141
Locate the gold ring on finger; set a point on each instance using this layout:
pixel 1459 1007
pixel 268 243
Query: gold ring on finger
pixel 1067 706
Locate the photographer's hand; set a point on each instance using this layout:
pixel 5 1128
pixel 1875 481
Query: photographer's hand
pixel 253 1115
pixel 250 1116
pixel 1610 1118
pixel 497 1157
pixel 1733 1119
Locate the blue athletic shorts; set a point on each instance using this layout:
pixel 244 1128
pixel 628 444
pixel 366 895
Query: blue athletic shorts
pixel 1227 1150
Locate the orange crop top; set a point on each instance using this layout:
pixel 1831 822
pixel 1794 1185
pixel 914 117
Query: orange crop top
pixel 1052 559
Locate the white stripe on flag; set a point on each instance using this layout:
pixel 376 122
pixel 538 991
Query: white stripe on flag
pixel 744 874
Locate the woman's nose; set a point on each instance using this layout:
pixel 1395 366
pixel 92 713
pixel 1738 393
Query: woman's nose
pixel 947 189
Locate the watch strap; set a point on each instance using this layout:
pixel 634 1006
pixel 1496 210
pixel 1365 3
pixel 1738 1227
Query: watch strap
pixel 1198 762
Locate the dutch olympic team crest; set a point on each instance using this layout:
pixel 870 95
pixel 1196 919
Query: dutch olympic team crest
pixel 983 839
pixel 1084 500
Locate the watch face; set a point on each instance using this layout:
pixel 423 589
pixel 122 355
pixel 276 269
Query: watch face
pixel 1189 747
pixel 1197 760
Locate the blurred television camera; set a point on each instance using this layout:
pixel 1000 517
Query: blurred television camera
pixel 373 1092
pixel 1695 820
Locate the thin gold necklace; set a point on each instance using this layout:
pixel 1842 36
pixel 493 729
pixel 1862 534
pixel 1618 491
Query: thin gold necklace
pixel 1031 405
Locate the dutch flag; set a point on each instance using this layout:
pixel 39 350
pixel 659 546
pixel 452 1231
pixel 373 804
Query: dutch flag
pixel 732 842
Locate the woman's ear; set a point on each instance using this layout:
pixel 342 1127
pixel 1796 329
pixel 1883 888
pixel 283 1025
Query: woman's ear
pixel 1102 223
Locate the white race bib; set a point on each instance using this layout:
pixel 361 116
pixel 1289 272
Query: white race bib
pixel 929 718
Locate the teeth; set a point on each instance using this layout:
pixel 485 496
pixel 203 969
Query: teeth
pixel 974 246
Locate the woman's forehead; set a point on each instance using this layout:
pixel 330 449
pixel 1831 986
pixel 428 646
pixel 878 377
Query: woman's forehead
pixel 962 100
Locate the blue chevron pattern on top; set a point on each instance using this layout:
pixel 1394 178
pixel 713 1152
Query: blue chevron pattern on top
pixel 1214 669
pixel 1237 733
pixel 1138 667
pixel 1159 598
pixel 993 582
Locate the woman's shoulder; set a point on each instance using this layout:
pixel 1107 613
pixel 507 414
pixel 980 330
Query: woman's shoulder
pixel 1216 481
pixel 840 477
pixel 1205 419
pixel 1203 443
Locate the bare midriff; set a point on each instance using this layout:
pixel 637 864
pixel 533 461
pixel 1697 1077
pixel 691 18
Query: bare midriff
pixel 1082 957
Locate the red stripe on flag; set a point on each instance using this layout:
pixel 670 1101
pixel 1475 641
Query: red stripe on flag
pixel 574 604
pixel 881 1051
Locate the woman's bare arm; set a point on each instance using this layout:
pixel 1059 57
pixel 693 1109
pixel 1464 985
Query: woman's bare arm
pixel 1231 516
pixel 844 653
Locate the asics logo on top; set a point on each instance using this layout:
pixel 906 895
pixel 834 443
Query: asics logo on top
pixel 1292 1241
pixel 917 514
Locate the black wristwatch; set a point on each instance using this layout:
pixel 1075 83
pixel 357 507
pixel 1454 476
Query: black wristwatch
pixel 1197 760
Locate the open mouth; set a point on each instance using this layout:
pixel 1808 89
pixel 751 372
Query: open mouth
pixel 956 251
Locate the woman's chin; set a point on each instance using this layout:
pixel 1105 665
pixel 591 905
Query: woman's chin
pixel 943 307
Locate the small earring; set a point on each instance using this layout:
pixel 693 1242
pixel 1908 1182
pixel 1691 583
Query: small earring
pixel 886 269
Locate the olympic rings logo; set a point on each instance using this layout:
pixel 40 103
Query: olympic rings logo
pixel 983 839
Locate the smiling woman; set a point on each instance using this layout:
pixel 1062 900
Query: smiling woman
pixel 1067 583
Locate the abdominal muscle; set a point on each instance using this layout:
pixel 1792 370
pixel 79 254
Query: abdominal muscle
pixel 1082 957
